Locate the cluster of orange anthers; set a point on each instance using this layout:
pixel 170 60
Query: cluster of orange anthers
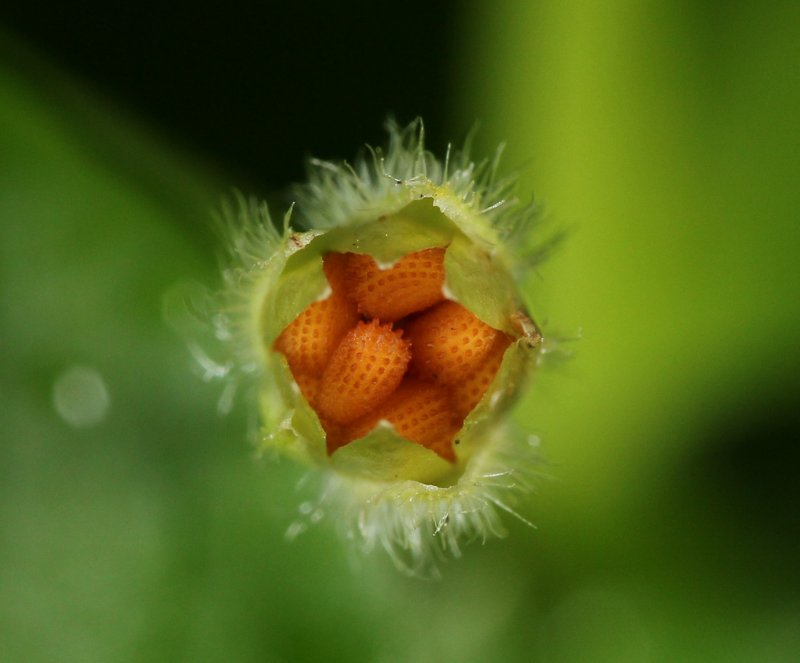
pixel 387 345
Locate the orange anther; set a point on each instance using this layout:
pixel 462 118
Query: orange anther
pixel 309 341
pixel 364 369
pixel 413 284
pixel 422 412
pixel 468 392
pixel 449 343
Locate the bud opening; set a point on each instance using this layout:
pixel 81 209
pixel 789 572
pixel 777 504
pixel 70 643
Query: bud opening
pixel 390 337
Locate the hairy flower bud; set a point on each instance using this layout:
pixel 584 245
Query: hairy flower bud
pixel 388 338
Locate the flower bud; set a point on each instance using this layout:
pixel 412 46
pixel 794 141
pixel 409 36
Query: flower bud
pixel 388 338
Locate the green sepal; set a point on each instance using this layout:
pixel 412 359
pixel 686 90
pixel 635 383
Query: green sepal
pixel 385 456
pixel 478 282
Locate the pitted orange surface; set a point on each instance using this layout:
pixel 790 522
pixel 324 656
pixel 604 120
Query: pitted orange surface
pixel 387 345
pixel 309 341
pixel 366 367
pixel 412 284
pixel 466 393
pixel 422 412
pixel 449 342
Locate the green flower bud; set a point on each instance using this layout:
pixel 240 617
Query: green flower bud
pixel 393 486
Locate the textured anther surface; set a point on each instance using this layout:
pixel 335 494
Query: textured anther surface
pixel 309 341
pixel 413 284
pixel 364 370
pixel 449 342
pixel 422 412
pixel 418 361
pixel 467 392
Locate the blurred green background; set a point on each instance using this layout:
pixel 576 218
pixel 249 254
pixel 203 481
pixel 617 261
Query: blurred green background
pixel 135 524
